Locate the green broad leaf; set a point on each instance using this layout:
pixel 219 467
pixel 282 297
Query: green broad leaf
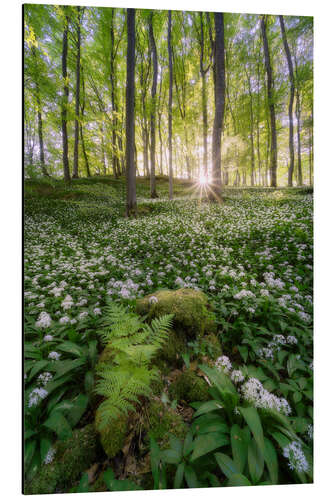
pixel 188 444
pixel 239 445
pixel 191 477
pixel 29 450
pixel 63 406
pixel 55 384
pixel 170 456
pixel 302 382
pixel 58 424
pixel 205 443
pixel 75 413
pixel 270 457
pixel 297 397
pixel 83 486
pixel 45 445
pixel 281 439
pixel 292 364
pixel 28 433
pixel 71 348
pixel 179 476
pixel 244 352
pixel 255 461
pixel 176 444
pixel 155 461
pixel 227 466
pixel 239 480
pixel 217 426
pixel 219 379
pixel 207 407
pixel 66 366
pixel 109 479
pixel 213 480
pixel 89 382
pixel 37 367
pixel 252 419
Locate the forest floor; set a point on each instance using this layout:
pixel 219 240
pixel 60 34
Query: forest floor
pixel 252 256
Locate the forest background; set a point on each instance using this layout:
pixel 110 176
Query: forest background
pixel 10 133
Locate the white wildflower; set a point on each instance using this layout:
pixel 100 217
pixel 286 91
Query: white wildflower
pixel 297 460
pixel 44 320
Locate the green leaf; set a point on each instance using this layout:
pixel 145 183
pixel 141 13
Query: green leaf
pixel 271 460
pixel 71 348
pixel 188 444
pixel 29 450
pixel 37 367
pixel 255 461
pixel 58 424
pixel 252 419
pixel 243 351
pixel 206 443
pixel 191 477
pixel 239 445
pixel 227 466
pixel 83 486
pixel 207 407
pixel 179 476
pixel 155 461
pixel 238 480
pixel 297 397
pixel 170 456
pixel 80 404
pixel 68 365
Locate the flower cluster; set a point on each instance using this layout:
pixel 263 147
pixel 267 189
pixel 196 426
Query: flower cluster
pixel 296 458
pixel 36 396
pixel 254 392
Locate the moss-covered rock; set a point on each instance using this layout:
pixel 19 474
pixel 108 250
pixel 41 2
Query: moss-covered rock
pixel 190 308
pixel 73 456
pixel 162 421
pixel 112 436
pixel 189 387
pixel 172 349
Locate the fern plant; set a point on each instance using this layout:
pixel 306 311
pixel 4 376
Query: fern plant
pixel 130 374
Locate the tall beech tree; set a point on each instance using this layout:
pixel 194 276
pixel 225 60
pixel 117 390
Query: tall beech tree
pixel 153 193
pixel 271 105
pixel 64 103
pixel 77 93
pixel 291 102
pixel 170 105
pixel 131 207
pixel 219 95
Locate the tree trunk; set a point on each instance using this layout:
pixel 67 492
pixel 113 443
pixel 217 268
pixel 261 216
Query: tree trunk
pixel 258 130
pixel 131 208
pixel 115 159
pixel 203 72
pixel 299 152
pixel 82 104
pixel 170 107
pixel 219 94
pixel 65 102
pixel 153 193
pixel 291 103
pixel 251 127
pixel 77 96
pixel 270 96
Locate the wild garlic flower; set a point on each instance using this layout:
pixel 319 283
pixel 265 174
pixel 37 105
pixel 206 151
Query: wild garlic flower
pixel 83 314
pixel 48 338
pixel 54 355
pixel 223 363
pixel 44 378
pixel 291 339
pixel 153 300
pixel 237 376
pixel 297 460
pixel 36 396
pixel 44 320
pixel 49 456
pixel 64 320
pixel 67 303
pixel 97 311
pixel 254 392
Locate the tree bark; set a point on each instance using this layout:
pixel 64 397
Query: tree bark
pixel 170 106
pixel 299 151
pixel 291 103
pixel 203 72
pixel 270 96
pixel 153 193
pixel 77 96
pixel 131 207
pixel 115 159
pixel 251 126
pixel 65 102
pixel 219 94
pixel 82 104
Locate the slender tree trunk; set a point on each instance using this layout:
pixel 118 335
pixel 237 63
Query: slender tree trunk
pixel 251 127
pixel 131 208
pixel 299 152
pixel 258 130
pixel 219 94
pixel 83 103
pixel 115 159
pixel 203 72
pixel 170 106
pixel 270 96
pixel 291 103
pixel 77 96
pixel 65 102
pixel 153 193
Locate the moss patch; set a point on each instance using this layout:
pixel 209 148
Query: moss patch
pixel 73 457
pixel 162 420
pixel 112 437
pixel 189 387
pixel 192 316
